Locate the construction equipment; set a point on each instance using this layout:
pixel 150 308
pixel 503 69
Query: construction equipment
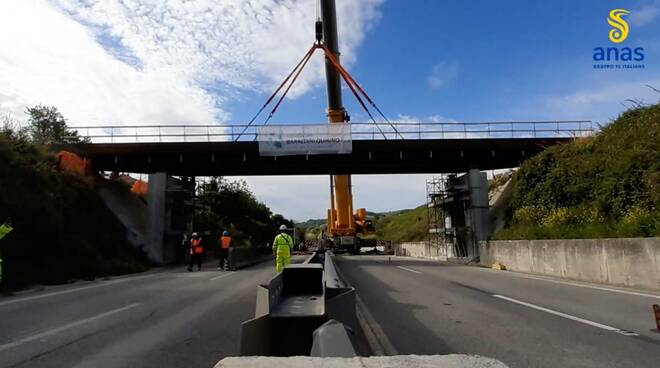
pixel 344 226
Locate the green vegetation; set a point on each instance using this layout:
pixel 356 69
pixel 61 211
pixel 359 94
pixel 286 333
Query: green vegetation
pixel 400 226
pixel 604 186
pixel 62 229
pixel 226 205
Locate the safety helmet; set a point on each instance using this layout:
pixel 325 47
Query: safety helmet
pixel 282 227
pixel 194 234
pixel 225 233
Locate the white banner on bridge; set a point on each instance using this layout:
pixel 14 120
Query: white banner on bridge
pixel 286 140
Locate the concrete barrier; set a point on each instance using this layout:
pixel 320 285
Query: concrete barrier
pixel 633 262
pixel 420 250
pixel 407 361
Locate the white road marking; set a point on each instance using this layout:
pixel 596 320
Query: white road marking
pixel 591 286
pixel 222 276
pixel 408 269
pixel 378 341
pixel 67 291
pixel 568 316
pixel 66 327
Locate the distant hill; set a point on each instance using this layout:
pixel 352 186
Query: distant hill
pixel 403 225
pixel 398 225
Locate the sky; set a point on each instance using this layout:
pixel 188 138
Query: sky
pixel 113 62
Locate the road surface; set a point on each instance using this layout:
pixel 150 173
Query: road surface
pixel 426 307
pixel 178 319
pixel 164 319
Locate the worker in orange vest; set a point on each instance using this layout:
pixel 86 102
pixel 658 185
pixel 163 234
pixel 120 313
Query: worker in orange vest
pixel 196 251
pixel 225 243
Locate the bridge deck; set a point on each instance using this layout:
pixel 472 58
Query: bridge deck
pixel 368 157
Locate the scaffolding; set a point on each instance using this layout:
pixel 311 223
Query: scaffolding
pixel 437 229
pixel 457 214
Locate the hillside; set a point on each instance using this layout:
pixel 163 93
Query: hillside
pixel 603 186
pixel 404 225
pixel 398 225
pixel 62 229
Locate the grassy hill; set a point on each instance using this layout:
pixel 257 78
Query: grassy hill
pixel 603 186
pixel 404 225
pixel 398 226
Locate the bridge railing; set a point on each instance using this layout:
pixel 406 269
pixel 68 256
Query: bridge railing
pixel 360 131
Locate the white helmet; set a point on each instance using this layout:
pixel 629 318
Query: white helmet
pixel 282 227
pixel 194 234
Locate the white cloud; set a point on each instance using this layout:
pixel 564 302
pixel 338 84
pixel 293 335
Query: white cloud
pixel 601 103
pixel 645 14
pixel 305 197
pixel 308 197
pixel 443 73
pixel 47 58
pixel 156 62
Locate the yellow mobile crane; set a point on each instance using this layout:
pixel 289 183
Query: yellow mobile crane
pixel 344 226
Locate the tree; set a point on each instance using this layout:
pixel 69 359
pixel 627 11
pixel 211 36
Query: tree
pixel 230 205
pixel 47 125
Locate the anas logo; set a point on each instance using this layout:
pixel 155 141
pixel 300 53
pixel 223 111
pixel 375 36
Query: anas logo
pixel 614 57
pixel 620 29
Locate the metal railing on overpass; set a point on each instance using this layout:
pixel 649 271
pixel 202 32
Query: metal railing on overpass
pixel 359 131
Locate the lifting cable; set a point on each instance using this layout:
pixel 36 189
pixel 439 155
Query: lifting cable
pixel 270 99
pixel 349 80
pixel 355 88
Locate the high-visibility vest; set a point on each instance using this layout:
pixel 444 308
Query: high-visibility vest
pixel 196 246
pixel 225 242
pixel 282 244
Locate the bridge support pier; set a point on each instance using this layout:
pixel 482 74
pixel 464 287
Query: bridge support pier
pixel 169 216
pixel 478 210
pixel 463 220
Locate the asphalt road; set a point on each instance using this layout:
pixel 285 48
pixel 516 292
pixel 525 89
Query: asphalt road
pixel 164 319
pixel 426 307
pixel 174 318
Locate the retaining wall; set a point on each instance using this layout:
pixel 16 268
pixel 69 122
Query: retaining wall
pixel 420 250
pixel 633 262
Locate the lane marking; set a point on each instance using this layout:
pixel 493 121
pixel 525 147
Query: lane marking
pixel 592 287
pixel 378 341
pixel 222 276
pixel 66 327
pixel 101 284
pixel 408 269
pixel 567 316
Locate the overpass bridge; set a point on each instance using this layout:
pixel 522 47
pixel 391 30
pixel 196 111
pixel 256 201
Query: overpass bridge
pixel 165 152
pixel 401 148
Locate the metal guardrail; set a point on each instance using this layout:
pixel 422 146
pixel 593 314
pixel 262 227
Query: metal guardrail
pixel 360 131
